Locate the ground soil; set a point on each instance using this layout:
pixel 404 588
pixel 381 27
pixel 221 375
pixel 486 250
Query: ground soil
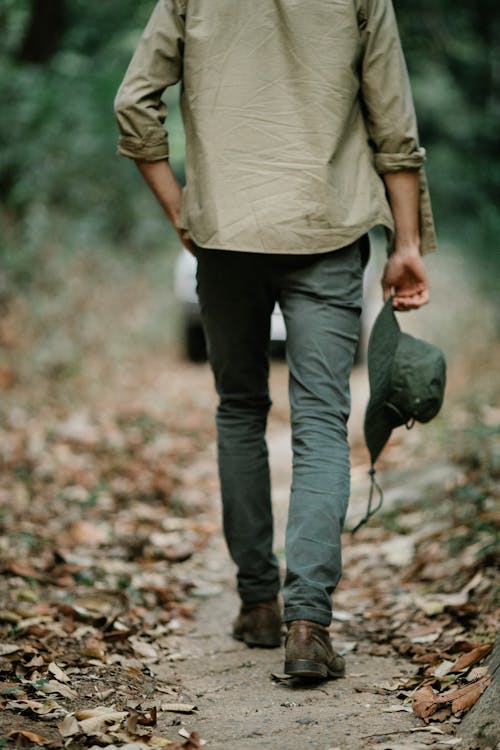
pixel 239 702
pixel 241 696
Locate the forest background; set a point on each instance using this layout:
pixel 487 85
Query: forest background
pixel 64 191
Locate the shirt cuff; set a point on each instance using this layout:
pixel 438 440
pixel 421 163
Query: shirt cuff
pixel 399 162
pixel 154 148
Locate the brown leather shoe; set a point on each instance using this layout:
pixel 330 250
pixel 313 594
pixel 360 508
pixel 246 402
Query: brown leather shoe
pixel 309 652
pixel 259 624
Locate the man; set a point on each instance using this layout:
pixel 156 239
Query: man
pixel 300 137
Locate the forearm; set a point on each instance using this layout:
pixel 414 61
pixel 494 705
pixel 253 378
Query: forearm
pixel 163 183
pixel 404 275
pixel 403 193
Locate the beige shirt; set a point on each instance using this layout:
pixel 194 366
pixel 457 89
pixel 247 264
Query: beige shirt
pixel 292 110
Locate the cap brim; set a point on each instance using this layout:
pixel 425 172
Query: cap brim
pixel 382 346
pixel 379 423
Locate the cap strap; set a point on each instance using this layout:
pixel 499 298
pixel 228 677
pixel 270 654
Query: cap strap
pixel 369 511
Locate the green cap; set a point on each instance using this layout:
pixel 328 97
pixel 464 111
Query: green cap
pixel 407 380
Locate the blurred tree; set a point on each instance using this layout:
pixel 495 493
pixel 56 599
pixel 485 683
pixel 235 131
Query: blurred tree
pixel 44 31
pixel 453 53
pixel 62 60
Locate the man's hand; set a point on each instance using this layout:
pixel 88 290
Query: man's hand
pixel 405 277
pixel 163 183
pixel 404 274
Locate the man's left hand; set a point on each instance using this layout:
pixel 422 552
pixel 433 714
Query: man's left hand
pixel 405 277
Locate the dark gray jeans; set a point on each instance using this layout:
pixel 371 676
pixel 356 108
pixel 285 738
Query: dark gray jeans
pixel 320 297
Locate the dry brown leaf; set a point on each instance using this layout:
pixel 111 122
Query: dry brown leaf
pixel 24 570
pixel 442 669
pixel 94 649
pixel 425 702
pixel 23 734
pixel 58 673
pixel 156 741
pixel 143 649
pixel 100 712
pixel 468 659
pixel 183 708
pixel 442 714
pixel 52 686
pixel 464 698
pixel 49 710
pixel 476 673
pixel 8 648
pixel 69 726
pixel 9 616
pixel 135 718
pixel 193 741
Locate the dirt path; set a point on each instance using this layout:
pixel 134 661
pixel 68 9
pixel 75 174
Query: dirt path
pixel 110 481
pixel 240 705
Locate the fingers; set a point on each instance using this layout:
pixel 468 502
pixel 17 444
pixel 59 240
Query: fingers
pixel 186 241
pixel 403 303
pixel 387 289
pixel 409 289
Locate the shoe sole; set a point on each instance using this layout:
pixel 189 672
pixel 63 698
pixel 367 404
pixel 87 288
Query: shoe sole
pixel 260 640
pixel 312 669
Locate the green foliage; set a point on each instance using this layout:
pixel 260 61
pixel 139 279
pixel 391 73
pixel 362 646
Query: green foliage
pixel 62 183
pixel 60 134
pixel 452 50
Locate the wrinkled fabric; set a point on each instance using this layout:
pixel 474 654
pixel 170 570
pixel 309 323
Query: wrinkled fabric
pixel 293 109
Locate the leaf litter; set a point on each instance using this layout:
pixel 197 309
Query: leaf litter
pixel 90 580
pixel 422 581
pixel 101 508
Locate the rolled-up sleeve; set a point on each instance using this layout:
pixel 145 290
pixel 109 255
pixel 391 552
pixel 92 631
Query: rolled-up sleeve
pixel 386 93
pixel 156 64
pixel 389 109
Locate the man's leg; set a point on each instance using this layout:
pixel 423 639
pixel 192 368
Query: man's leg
pixel 236 305
pixel 321 304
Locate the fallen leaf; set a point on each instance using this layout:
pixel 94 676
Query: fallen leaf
pixel 193 740
pixel 183 708
pixel 398 708
pixel 23 734
pixel 52 686
pixel 467 660
pixel 427 701
pixel 340 616
pixel 431 729
pixel 143 648
pixel 58 673
pixel 69 726
pixel 8 648
pixel 100 712
pixel 398 550
pixel 94 649
pixel 466 697
pixel 147 719
pixel 442 669
pixel 24 570
pixel 426 639
pixel 476 674
pixel 158 741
